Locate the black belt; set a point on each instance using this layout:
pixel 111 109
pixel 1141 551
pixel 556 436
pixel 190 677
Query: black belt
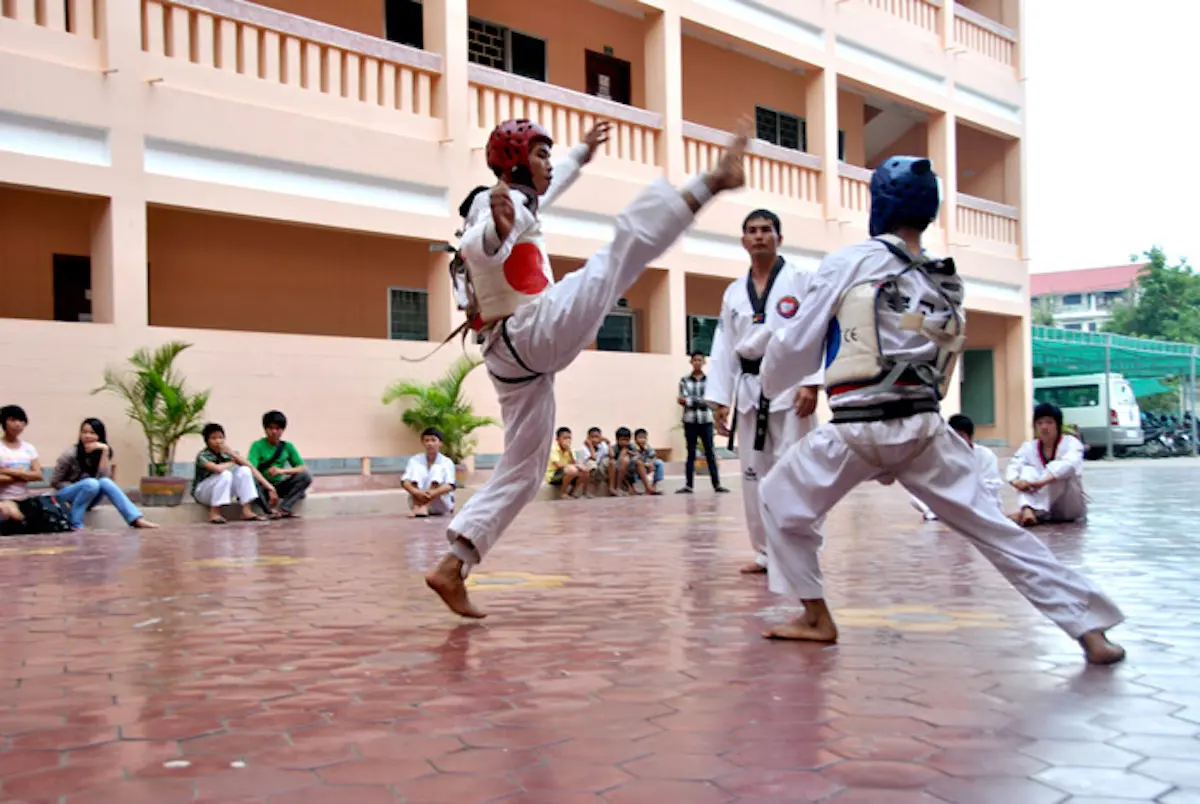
pixel 751 366
pixel 888 411
pixel 762 424
pixel 533 375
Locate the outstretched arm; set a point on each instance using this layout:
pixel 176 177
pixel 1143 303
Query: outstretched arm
pixel 567 170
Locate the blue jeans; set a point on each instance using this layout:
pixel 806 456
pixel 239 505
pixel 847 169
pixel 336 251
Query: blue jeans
pixel 659 471
pixel 82 494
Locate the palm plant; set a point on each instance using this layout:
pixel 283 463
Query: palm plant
pixel 155 397
pixel 441 404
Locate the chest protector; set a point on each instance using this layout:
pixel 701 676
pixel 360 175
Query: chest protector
pixel 906 329
pixel 487 294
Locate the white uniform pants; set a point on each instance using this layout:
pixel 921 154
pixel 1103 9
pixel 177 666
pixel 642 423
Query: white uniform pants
pixel 784 428
pixel 547 334
pixel 939 468
pixel 1057 502
pixel 216 490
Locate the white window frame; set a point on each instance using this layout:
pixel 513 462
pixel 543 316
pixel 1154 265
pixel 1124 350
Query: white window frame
pixel 698 317
pixel 633 316
pixel 406 289
pixel 801 127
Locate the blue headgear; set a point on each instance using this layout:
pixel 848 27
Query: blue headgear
pixel 904 189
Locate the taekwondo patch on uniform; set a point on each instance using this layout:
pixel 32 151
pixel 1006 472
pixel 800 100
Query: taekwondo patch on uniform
pixel 787 306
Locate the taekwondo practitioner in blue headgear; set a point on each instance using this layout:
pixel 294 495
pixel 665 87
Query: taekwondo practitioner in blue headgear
pixel 887 321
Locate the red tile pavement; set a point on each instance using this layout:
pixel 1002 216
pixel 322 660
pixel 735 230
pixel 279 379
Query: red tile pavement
pixel 305 662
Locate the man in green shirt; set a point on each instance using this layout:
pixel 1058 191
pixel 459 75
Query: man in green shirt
pixel 279 462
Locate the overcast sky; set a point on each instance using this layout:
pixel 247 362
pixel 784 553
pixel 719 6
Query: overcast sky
pixel 1113 132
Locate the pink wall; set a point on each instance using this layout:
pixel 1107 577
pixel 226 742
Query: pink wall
pixel 214 272
pixel 33 228
pixel 850 120
pixel 983 157
pixel 719 86
pixel 703 294
pixel 365 16
pixel 570 29
pixel 914 142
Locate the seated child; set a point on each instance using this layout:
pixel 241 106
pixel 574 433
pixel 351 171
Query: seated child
pixel 650 468
pixel 596 454
pixel 280 463
pixel 623 464
pixel 221 476
pixel 429 478
pixel 1047 472
pixel 563 470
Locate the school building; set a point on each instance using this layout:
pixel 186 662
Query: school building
pixel 264 180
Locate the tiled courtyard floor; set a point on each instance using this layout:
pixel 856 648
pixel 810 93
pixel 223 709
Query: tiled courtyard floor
pixel 306 662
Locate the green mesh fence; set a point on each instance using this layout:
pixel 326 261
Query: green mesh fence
pixel 1060 352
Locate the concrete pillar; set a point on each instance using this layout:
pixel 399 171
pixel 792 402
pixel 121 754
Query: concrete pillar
pixel 445 32
pixel 822 123
pixel 664 88
pixel 944 153
pixel 666 325
pixel 444 315
pixel 120 284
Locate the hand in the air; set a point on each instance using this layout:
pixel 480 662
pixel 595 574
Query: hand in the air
pixel 595 138
pixel 503 212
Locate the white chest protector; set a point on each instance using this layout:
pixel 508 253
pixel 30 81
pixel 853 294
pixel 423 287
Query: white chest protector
pixel 490 290
pixel 898 334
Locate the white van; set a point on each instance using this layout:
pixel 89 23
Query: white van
pixel 1085 405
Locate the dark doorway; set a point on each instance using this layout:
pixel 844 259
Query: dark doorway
pixel 72 288
pixel 608 77
pixel 403 22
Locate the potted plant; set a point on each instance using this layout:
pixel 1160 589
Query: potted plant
pixel 441 404
pixel 155 397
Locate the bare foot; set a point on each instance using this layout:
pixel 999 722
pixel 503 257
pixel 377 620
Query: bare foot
pixel 801 630
pixel 143 523
pixel 1098 650
pixel 753 568
pixel 446 579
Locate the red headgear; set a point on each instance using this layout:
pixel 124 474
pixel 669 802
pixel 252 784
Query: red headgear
pixel 510 142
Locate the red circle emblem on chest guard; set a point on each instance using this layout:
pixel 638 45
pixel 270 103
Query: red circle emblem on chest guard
pixel 788 306
pixel 525 269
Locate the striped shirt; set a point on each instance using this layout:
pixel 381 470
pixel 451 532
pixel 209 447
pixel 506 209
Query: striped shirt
pixel 696 411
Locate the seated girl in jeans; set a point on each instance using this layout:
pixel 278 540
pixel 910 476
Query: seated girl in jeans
pixel 83 476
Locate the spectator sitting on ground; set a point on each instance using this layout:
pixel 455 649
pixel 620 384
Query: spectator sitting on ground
pixel 221 476
pixel 596 453
pixel 280 463
pixel 429 478
pixel 84 474
pixel 648 459
pixel 19 464
pixel 623 464
pixel 563 470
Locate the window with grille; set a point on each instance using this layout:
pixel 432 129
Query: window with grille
pixel 780 128
pixel 618 333
pixel 700 332
pixel 408 314
pixel 502 48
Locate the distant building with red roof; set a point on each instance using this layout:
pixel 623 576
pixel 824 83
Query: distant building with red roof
pixel 1083 300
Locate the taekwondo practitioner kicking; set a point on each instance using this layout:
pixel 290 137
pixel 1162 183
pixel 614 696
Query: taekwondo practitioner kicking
pixel 767 298
pixel 532 328
pixel 895 324
pixel 985 459
pixel 1047 473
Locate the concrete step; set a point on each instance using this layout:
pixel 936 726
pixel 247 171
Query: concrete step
pixel 323 505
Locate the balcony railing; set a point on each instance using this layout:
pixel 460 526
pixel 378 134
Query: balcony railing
pixel 72 16
pixel 988 221
pixel 254 42
pixel 496 96
pixel 854 185
pixel 782 172
pixel 923 14
pixel 976 32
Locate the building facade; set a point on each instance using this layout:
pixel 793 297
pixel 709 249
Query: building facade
pixel 264 180
pixel 1082 300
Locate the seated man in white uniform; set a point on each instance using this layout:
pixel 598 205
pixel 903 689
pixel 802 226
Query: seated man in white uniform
pixel 429 478
pixel 989 467
pixel 1047 473
pixel 890 323
pixel 532 328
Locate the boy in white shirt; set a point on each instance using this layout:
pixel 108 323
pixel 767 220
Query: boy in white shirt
pixel 429 478
pixel 1047 473
pixel 985 459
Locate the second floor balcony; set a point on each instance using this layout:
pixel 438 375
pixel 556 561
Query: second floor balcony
pixel 370 67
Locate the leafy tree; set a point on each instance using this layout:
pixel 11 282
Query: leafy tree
pixel 1166 305
pixel 441 404
pixel 1043 312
